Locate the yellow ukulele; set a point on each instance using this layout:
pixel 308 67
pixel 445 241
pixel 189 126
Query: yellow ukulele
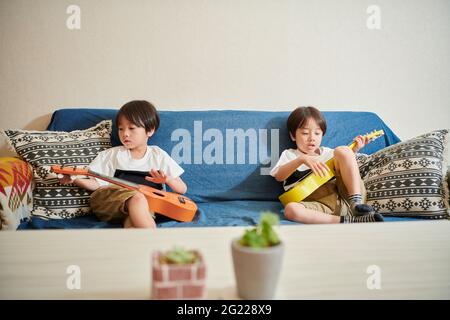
pixel 311 182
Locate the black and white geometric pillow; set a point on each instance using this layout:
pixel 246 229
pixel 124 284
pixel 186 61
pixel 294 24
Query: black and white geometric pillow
pixel 408 179
pixel 42 149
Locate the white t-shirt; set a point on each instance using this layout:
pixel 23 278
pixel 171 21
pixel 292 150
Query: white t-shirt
pixel 108 161
pixel 291 154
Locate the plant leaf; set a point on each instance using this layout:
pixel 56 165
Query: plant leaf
pixel 263 235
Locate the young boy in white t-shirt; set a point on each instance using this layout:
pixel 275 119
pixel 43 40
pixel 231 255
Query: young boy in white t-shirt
pixel 340 200
pixel 136 121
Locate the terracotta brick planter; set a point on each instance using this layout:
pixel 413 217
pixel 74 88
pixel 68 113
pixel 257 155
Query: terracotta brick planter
pixel 173 281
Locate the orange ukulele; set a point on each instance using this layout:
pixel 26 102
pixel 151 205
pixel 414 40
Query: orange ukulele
pixel 169 204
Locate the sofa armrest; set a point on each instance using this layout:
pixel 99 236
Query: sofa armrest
pixel 16 197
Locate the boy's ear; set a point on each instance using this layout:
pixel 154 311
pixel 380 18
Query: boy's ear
pixel 150 133
pixel 292 137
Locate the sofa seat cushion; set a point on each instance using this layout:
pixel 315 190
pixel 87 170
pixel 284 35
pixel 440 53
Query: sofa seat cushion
pixel 212 214
pixel 238 213
pixel 229 213
pixel 81 222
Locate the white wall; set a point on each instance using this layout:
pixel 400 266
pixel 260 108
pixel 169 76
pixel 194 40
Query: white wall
pixel 227 54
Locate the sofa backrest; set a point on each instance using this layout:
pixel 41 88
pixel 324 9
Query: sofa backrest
pixel 227 154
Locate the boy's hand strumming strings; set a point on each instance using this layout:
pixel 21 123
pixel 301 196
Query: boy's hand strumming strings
pixel 361 141
pixel 318 167
pixel 157 176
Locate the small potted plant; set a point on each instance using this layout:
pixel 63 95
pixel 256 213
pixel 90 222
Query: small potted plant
pixel 257 257
pixel 178 274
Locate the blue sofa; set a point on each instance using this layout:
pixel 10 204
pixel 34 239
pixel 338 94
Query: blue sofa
pixel 230 189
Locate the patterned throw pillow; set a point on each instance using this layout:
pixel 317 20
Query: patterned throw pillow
pixel 15 192
pixel 408 179
pixel 42 149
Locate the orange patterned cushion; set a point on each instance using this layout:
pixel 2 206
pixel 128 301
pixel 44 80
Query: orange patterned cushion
pixel 15 192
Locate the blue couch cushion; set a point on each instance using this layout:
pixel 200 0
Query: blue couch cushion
pixel 211 214
pixel 225 153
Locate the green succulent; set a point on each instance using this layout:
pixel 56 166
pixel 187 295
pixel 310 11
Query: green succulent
pixel 179 255
pixel 262 235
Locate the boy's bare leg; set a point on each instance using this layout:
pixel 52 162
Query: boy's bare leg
pixel 345 163
pixel 297 212
pixel 138 212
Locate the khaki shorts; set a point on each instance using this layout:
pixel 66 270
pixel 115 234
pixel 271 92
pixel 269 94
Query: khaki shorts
pixel 332 198
pixel 108 203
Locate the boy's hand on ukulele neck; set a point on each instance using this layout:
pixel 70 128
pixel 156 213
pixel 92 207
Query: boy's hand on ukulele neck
pixel 157 176
pixel 360 141
pixel 317 167
pixel 65 179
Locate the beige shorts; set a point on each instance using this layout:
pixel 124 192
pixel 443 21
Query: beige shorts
pixel 109 203
pixel 331 198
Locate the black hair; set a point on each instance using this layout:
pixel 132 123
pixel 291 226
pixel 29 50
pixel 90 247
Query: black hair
pixel 140 112
pixel 300 115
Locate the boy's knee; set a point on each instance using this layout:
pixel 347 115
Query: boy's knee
pixel 342 151
pixel 137 198
pixel 292 209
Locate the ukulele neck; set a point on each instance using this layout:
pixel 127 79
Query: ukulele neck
pixel 352 145
pixel 117 181
pixel 371 137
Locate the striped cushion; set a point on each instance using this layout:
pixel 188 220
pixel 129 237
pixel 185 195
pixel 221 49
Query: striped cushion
pixel 42 149
pixel 408 179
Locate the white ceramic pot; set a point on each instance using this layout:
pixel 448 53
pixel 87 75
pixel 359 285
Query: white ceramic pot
pixel 256 270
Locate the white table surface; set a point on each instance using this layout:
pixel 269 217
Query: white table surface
pixel 320 261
